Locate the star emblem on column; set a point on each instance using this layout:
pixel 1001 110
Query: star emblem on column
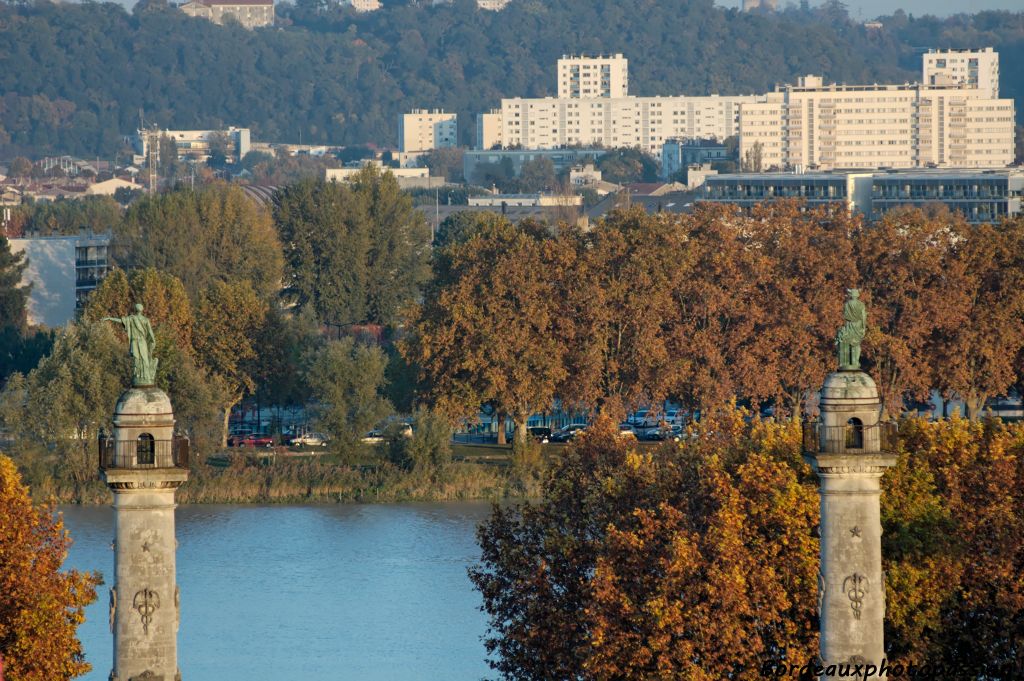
pixel 855 531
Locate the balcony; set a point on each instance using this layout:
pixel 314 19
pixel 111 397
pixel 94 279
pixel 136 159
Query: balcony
pixel 849 439
pixel 145 453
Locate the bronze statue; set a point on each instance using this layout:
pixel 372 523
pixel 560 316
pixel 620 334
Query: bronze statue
pixel 855 325
pixel 141 342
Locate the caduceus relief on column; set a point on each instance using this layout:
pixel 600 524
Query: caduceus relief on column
pixel 141 342
pixel 855 325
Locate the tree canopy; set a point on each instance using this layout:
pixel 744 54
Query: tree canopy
pixel 40 606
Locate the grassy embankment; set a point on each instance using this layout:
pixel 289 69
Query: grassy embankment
pixel 278 476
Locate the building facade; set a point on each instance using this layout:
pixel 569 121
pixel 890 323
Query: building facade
pixel 976 69
pixel 644 122
pixel 586 77
pixel 488 130
pixel 423 130
pixel 980 196
pixel 815 126
pixel 678 154
pixel 249 13
pixel 195 144
pixel 474 163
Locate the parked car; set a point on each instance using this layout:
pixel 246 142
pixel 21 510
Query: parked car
pixel 674 432
pixel 568 432
pixel 308 440
pixel 251 440
pixel 627 431
pixel 373 437
pixel 540 433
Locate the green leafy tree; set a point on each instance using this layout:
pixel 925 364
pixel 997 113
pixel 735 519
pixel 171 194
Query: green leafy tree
pixel 13 295
pixel 427 449
pixel 537 175
pixel 201 237
pixel 347 382
pixel 627 165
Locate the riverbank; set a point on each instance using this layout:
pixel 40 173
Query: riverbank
pixel 263 478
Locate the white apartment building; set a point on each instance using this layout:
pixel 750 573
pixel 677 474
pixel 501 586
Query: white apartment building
pixel 422 130
pixel 250 13
pixel 973 68
pixel 812 125
pixel 583 77
pixel 194 144
pixel 488 129
pixel 492 5
pixel 644 122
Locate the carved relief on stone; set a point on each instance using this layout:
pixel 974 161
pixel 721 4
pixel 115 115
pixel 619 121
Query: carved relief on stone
pixel 146 602
pixel 856 587
pixel 113 607
pixel 147 676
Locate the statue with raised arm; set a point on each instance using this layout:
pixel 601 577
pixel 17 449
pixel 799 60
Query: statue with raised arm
pixel 855 325
pixel 141 343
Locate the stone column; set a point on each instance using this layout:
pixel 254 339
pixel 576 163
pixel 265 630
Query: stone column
pixel 847 449
pixel 143 464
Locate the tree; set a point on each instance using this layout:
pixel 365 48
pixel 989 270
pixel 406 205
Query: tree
pixel 228 319
pixel 356 254
pixel 619 285
pixel 699 560
pixel 487 328
pixel 753 159
pixel 20 168
pixel 809 264
pixel 397 259
pixel 200 237
pixel 347 381
pixel 325 246
pixel 627 165
pixel 914 290
pixel 13 295
pixel 445 162
pixel 652 566
pixel 537 175
pixel 975 359
pixel 40 606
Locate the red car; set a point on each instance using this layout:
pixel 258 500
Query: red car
pixel 251 440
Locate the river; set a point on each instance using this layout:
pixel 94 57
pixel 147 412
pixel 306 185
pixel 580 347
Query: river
pixel 309 593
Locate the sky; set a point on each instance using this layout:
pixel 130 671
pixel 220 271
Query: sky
pixel 869 9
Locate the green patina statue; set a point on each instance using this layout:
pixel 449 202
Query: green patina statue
pixel 140 345
pixel 855 325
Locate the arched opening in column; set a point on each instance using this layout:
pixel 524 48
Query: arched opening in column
pixel 855 434
pixel 145 450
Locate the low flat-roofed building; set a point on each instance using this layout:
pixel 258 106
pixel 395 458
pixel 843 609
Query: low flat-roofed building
pixel 475 161
pixel 979 195
pixel 540 200
pixel 986 196
pixel 748 189
pixel 408 178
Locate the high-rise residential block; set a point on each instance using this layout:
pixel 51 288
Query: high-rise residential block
pixel 977 69
pixel 812 125
pixel 584 77
pixel 423 130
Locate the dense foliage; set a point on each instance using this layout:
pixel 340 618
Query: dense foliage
pixel 717 305
pixel 40 606
pixel 75 77
pixel 699 561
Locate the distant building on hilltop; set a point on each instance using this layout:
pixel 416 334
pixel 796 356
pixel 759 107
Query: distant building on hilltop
pixel 249 13
pixel 762 5
pixel 363 5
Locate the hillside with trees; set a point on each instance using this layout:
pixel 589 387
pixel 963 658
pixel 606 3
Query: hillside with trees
pixel 75 78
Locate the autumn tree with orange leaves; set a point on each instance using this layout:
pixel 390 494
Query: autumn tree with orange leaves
pixel 699 560
pixel 40 606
